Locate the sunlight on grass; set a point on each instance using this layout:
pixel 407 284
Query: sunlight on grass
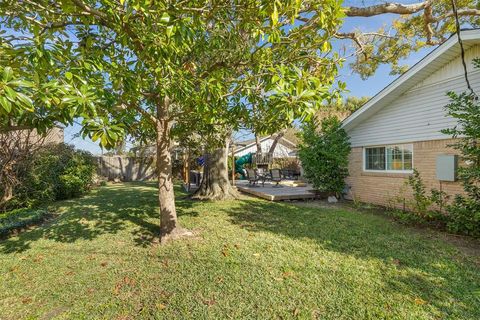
pixel 250 259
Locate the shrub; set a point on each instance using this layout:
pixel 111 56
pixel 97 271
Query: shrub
pixel 55 172
pixel 421 202
pixel 424 206
pixel 324 155
pixel 464 216
pixel 15 220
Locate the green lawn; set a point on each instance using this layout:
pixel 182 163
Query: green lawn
pixel 250 259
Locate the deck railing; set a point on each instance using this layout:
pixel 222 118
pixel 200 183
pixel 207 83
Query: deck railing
pixel 263 158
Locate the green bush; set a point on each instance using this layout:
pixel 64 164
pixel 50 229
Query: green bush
pixel 324 155
pixel 424 207
pixel 464 216
pixel 55 172
pixel 20 218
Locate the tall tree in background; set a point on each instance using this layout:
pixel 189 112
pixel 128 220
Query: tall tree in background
pixel 419 24
pixel 341 108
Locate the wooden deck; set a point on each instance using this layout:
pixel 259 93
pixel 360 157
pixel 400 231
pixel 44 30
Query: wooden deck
pixel 274 193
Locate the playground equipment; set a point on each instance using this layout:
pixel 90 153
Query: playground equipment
pixel 240 162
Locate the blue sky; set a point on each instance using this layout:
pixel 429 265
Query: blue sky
pixel 355 85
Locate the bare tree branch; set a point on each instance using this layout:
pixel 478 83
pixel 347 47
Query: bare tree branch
pixel 388 7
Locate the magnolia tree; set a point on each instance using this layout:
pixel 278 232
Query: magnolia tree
pixel 138 67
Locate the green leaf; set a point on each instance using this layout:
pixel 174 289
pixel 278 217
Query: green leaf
pixel 112 135
pixel 275 15
pixel 11 94
pixel 68 75
pixel 169 31
pixel 326 46
pixel 7 74
pixel 7 106
pixel 25 100
pixel 21 83
pixel 165 18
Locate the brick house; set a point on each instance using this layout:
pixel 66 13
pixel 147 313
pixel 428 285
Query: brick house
pixel 399 128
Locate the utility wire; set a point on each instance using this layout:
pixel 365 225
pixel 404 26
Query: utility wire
pixel 457 25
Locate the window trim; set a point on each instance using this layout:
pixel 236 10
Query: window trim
pixel 364 163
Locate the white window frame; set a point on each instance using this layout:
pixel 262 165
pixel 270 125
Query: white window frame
pixel 364 164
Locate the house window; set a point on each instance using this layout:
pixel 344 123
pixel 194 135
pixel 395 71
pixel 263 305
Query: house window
pixel 389 158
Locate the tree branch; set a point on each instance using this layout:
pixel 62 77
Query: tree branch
pixel 15 128
pixel 388 7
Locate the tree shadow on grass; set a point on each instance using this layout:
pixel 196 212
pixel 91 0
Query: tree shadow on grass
pixel 418 265
pixel 108 210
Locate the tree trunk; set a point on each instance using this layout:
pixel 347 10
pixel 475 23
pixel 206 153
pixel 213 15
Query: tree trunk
pixel 6 190
pixel 275 140
pixel 215 184
pixel 258 144
pixel 169 227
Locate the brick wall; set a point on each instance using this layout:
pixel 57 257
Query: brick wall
pixel 380 188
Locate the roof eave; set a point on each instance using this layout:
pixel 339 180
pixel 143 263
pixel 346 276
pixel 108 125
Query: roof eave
pixel 357 116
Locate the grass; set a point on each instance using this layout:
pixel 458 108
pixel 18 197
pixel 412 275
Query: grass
pixel 250 259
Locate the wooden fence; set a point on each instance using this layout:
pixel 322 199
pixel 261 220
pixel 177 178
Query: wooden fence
pixel 126 168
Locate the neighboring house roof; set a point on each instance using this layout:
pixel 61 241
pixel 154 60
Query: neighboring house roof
pixel 54 135
pixel 242 145
pixel 292 135
pixel 417 73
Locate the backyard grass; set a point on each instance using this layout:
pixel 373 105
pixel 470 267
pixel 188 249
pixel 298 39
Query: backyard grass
pixel 249 259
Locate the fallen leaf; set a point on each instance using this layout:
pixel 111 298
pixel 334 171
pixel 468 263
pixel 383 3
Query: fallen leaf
pixel 104 264
pixel 209 302
pixel 129 281
pixel 38 258
pixel 237 246
pixel 117 288
pixel 26 300
pixel 296 312
pixel 256 254
pixel 420 301
pixel 396 262
pixel 161 306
